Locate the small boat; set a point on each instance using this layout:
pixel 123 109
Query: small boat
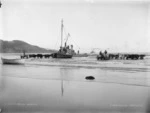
pixel 64 52
pixel 13 61
pixel 101 57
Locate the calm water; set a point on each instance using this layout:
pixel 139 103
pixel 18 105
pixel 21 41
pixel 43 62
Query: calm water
pixel 50 85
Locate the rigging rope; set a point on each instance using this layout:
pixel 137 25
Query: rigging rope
pixel 69 36
pixel 65 33
pixel 56 42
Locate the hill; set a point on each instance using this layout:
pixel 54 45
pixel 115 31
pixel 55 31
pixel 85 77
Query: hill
pixel 17 46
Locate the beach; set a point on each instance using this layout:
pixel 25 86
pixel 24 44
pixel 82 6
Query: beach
pixel 59 86
pixel 75 56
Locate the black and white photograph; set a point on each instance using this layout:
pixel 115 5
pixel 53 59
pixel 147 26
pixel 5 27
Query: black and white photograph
pixel 74 56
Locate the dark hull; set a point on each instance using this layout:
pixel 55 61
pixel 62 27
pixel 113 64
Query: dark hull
pixel 60 55
pixel 102 57
pixel 80 55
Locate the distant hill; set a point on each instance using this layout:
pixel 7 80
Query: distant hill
pixel 17 46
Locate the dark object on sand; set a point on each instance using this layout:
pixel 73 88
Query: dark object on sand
pixel 89 77
pixel 0 110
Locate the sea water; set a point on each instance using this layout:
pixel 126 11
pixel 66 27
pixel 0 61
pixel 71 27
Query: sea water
pixel 59 86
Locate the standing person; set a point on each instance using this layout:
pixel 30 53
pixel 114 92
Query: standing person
pixel 106 55
pixel 105 52
pixel 100 53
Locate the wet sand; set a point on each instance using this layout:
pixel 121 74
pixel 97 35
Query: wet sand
pixel 56 86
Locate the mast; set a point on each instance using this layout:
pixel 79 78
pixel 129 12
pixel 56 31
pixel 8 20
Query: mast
pixel 61 32
pixel 62 87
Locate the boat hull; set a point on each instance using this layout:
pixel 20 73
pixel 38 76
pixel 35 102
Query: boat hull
pixel 13 61
pixel 80 55
pixel 60 55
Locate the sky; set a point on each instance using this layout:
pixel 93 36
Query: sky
pixel 114 25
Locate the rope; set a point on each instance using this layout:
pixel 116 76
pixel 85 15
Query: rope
pixel 56 43
pixel 69 36
pixel 65 32
pixel 75 43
